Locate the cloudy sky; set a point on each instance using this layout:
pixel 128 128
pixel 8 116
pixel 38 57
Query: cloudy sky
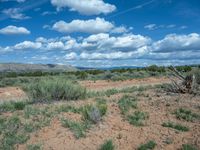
pixel 100 33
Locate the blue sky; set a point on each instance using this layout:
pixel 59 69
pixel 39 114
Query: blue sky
pixel 100 33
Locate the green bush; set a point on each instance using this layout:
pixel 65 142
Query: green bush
pixel 188 147
pixel 148 146
pixel 12 106
pixel 108 145
pixel 55 89
pixel 126 103
pixel 186 114
pixel 138 118
pixel 94 113
pixel 175 126
pixel 34 147
pixel 79 129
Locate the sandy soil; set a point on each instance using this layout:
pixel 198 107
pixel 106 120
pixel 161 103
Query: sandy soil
pixel 105 84
pixel 125 136
pixel 11 93
pixel 159 105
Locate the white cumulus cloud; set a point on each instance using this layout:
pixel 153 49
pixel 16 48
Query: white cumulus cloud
pixel 15 13
pixel 86 7
pixel 14 30
pixel 27 45
pixel 174 42
pixel 97 25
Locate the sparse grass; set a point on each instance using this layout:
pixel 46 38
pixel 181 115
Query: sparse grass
pixel 94 113
pixel 126 103
pixel 54 89
pixel 186 114
pixel 36 117
pixel 188 147
pixel 68 108
pixel 114 91
pixel 138 118
pixel 110 92
pixel 108 145
pixel 148 146
pixel 79 129
pixel 175 126
pixel 34 147
pixel 12 132
pixel 90 114
pixel 102 106
pixel 12 106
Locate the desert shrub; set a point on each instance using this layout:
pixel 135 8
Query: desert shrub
pixel 175 126
pixel 34 147
pixel 138 118
pixel 55 89
pixel 186 114
pixel 108 145
pixel 11 130
pixel 110 92
pixel 12 106
pixel 102 106
pixel 126 103
pixel 118 78
pixel 82 75
pixel 188 147
pixel 196 72
pixel 68 108
pixel 184 68
pixel 154 68
pixel 94 113
pixel 148 146
pixel 79 129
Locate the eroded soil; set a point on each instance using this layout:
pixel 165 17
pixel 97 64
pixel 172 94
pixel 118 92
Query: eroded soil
pixel 158 104
pixel 12 93
pixel 106 84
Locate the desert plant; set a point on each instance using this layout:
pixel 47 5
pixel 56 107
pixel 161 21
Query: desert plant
pixel 137 118
pixel 183 83
pixel 12 106
pixel 94 113
pixel 55 89
pixel 175 126
pixel 68 108
pixel 188 147
pixel 126 103
pixel 12 133
pixel 108 145
pixel 186 114
pixel 110 92
pixel 79 129
pixel 34 147
pixel 148 146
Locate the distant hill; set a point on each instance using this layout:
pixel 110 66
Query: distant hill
pixel 109 68
pixel 15 67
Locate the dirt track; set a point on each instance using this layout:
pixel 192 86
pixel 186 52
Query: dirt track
pixel 15 93
pixel 104 84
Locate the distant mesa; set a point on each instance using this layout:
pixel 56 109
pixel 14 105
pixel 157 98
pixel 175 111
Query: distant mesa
pixel 17 67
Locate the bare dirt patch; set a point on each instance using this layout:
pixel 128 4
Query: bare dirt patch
pixel 105 84
pixel 159 105
pixel 11 93
pixel 124 135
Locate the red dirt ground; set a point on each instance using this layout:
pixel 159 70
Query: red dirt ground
pixel 105 84
pixel 159 105
pixel 11 93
